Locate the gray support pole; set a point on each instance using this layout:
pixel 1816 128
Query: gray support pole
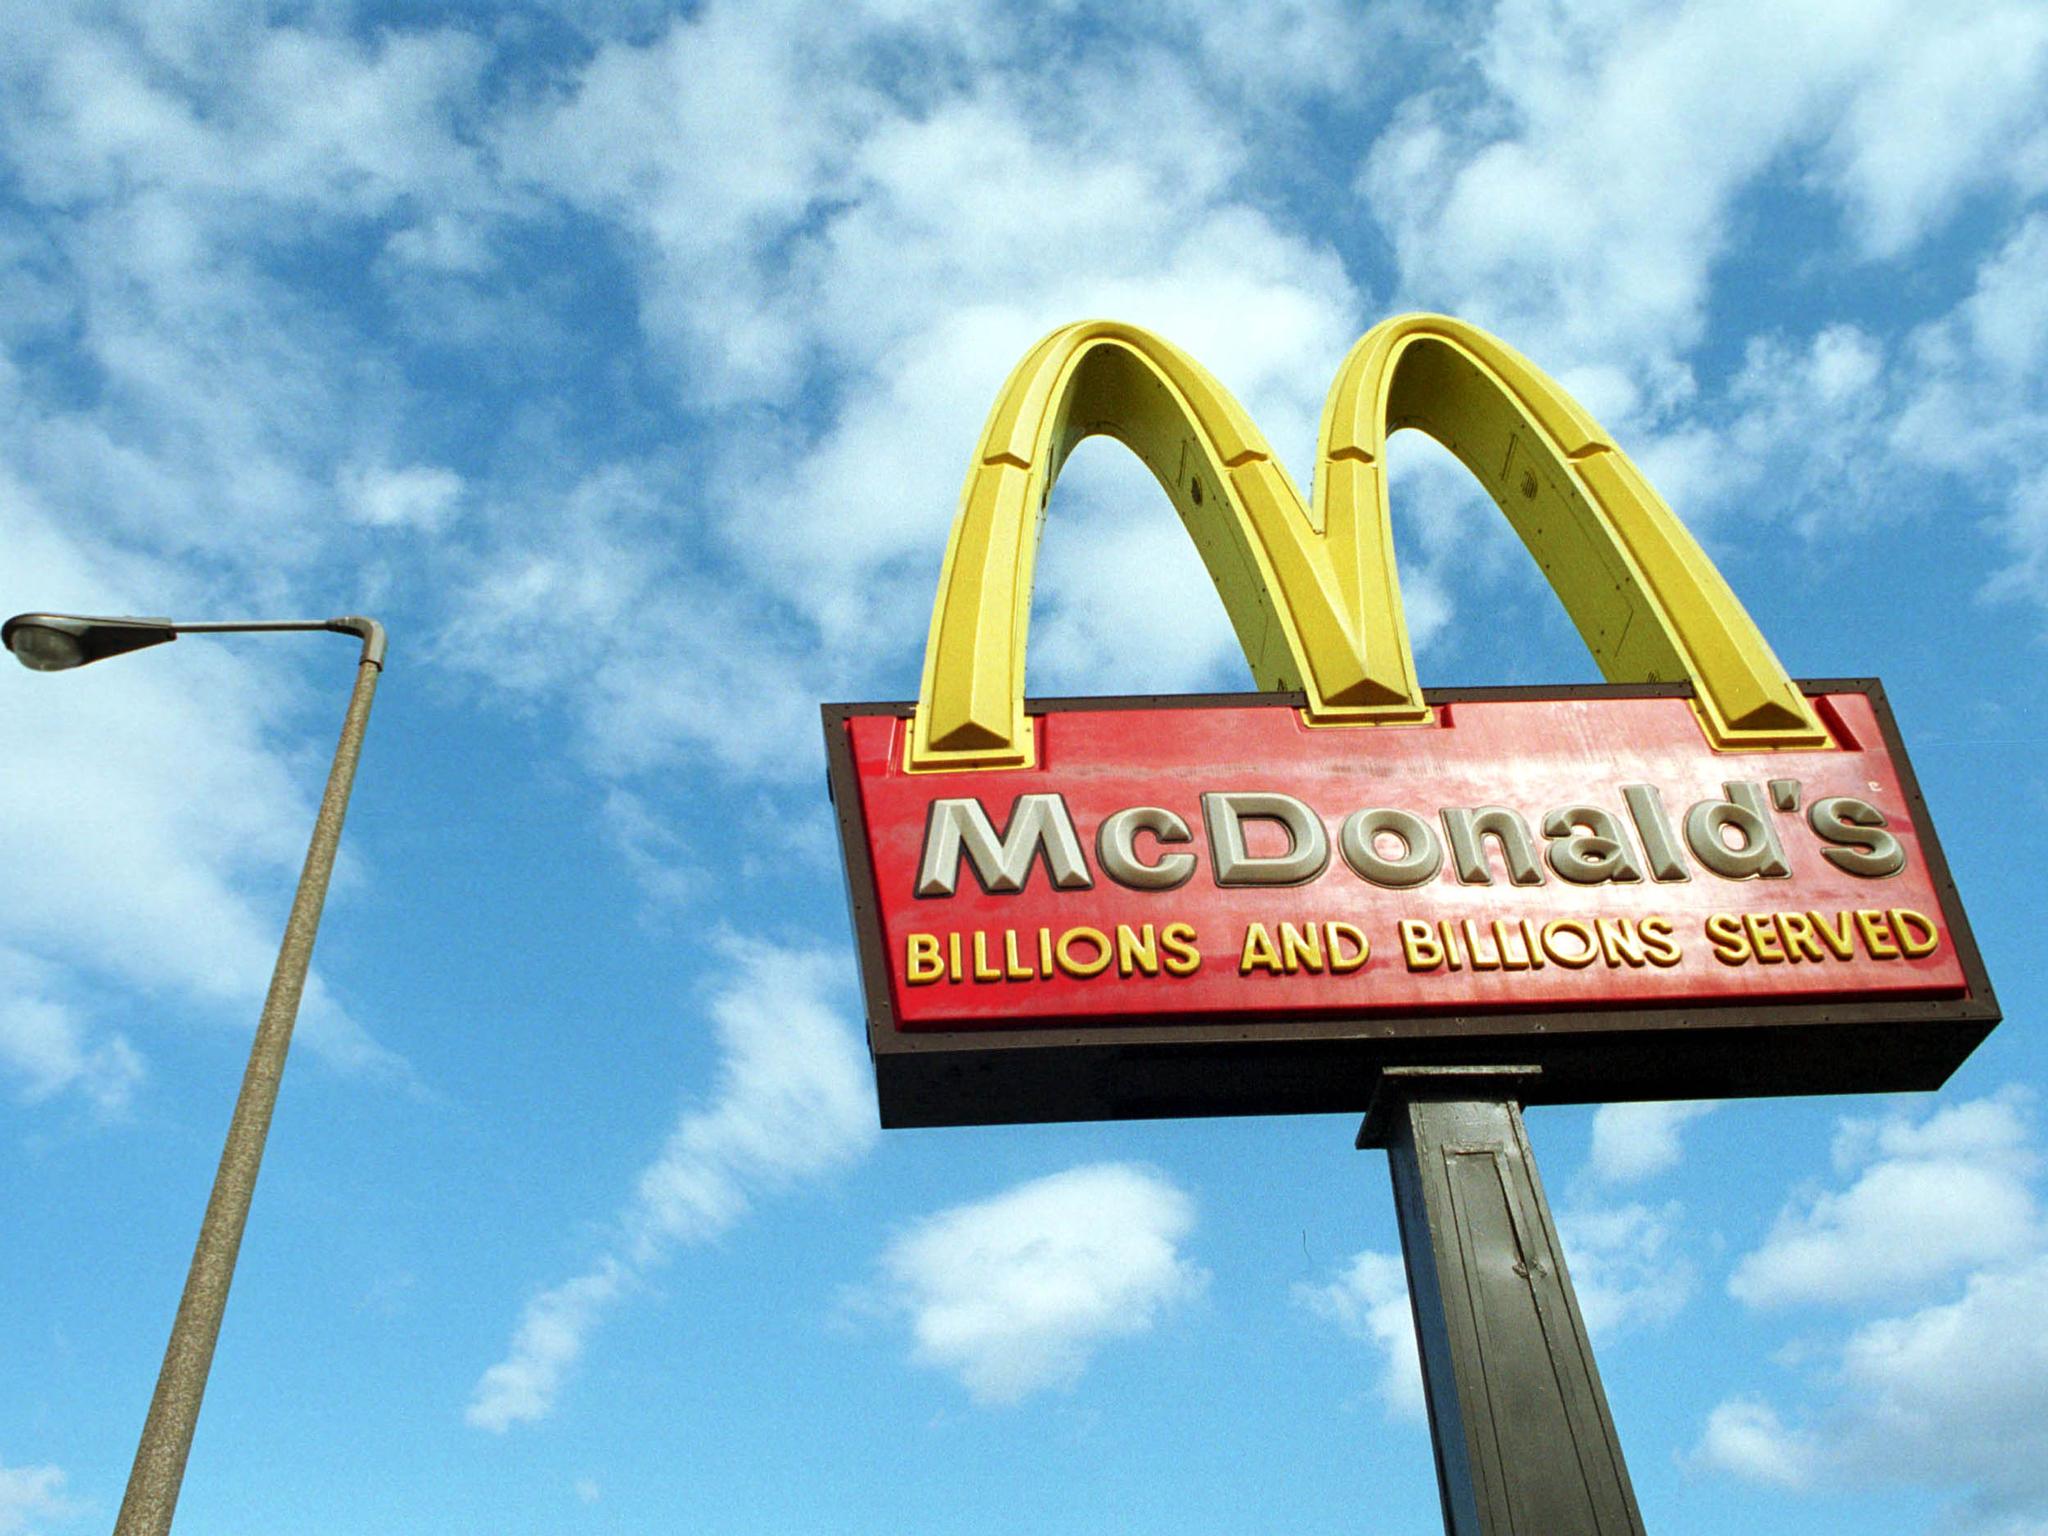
pixel 1524 1440
pixel 159 1469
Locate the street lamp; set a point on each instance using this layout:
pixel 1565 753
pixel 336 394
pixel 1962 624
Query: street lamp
pixel 56 642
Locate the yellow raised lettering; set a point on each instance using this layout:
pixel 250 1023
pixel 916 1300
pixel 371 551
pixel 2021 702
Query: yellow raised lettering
pixel 1136 951
pixel 1916 945
pixel 1659 941
pixel 1063 951
pixel 1725 935
pixel 922 962
pixel 1342 964
pixel 1419 946
pixel 1589 946
pixel 1837 933
pixel 1796 928
pixel 1877 935
pixel 1259 953
pixel 1301 948
pixel 1619 942
pixel 1763 938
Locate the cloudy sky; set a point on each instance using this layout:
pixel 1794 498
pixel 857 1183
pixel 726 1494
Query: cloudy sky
pixel 626 364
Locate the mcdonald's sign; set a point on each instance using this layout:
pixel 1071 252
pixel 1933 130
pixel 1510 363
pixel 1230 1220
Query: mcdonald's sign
pixel 1700 878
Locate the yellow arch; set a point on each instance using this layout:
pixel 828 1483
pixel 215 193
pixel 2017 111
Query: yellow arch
pixel 1312 591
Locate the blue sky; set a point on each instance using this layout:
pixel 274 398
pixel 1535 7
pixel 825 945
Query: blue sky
pixel 626 363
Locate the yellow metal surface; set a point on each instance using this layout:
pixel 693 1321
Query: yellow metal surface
pixel 1312 589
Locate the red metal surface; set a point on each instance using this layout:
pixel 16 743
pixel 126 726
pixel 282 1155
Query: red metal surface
pixel 1531 755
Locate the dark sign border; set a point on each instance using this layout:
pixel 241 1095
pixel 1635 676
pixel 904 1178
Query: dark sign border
pixel 1160 1067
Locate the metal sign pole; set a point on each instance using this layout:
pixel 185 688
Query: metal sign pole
pixel 1524 1440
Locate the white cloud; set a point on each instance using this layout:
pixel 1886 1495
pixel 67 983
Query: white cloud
pixel 2006 314
pixel 1625 1264
pixel 1812 420
pixel 1582 182
pixel 1279 52
pixel 1016 1293
pixel 1957 1392
pixel 548 1341
pixel 1997 1129
pixel 702 147
pixel 1571 203
pixel 1976 403
pixel 1638 1141
pixel 1581 185
pixel 1954 110
pixel 901 236
pixel 1846 427
pixel 649 845
pixel 49 1049
pixel 420 496
pixel 658 649
pixel 1927 1201
pixel 916 210
pixel 1578 185
pixel 186 148
pixel 1952 1394
pixel 211 102
pixel 31 1495
pixel 1745 1438
pixel 854 533
pixel 792 1101
pixel 1369 1301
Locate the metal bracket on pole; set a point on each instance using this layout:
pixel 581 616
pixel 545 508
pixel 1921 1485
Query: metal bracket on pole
pixel 1524 1440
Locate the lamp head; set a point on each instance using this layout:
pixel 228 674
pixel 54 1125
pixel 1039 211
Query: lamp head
pixel 56 642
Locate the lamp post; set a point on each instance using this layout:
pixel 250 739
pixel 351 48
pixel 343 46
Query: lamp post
pixel 48 642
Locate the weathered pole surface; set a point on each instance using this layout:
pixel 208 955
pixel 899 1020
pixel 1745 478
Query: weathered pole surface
pixel 1525 1443
pixel 159 1470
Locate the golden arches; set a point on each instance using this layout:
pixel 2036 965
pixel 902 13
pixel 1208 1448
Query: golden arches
pixel 1312 590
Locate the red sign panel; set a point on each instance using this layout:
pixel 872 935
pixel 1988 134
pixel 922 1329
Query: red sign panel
pixel 1525 872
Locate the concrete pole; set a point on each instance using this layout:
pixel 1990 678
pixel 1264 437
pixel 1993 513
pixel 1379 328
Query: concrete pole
pixel 152 1494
